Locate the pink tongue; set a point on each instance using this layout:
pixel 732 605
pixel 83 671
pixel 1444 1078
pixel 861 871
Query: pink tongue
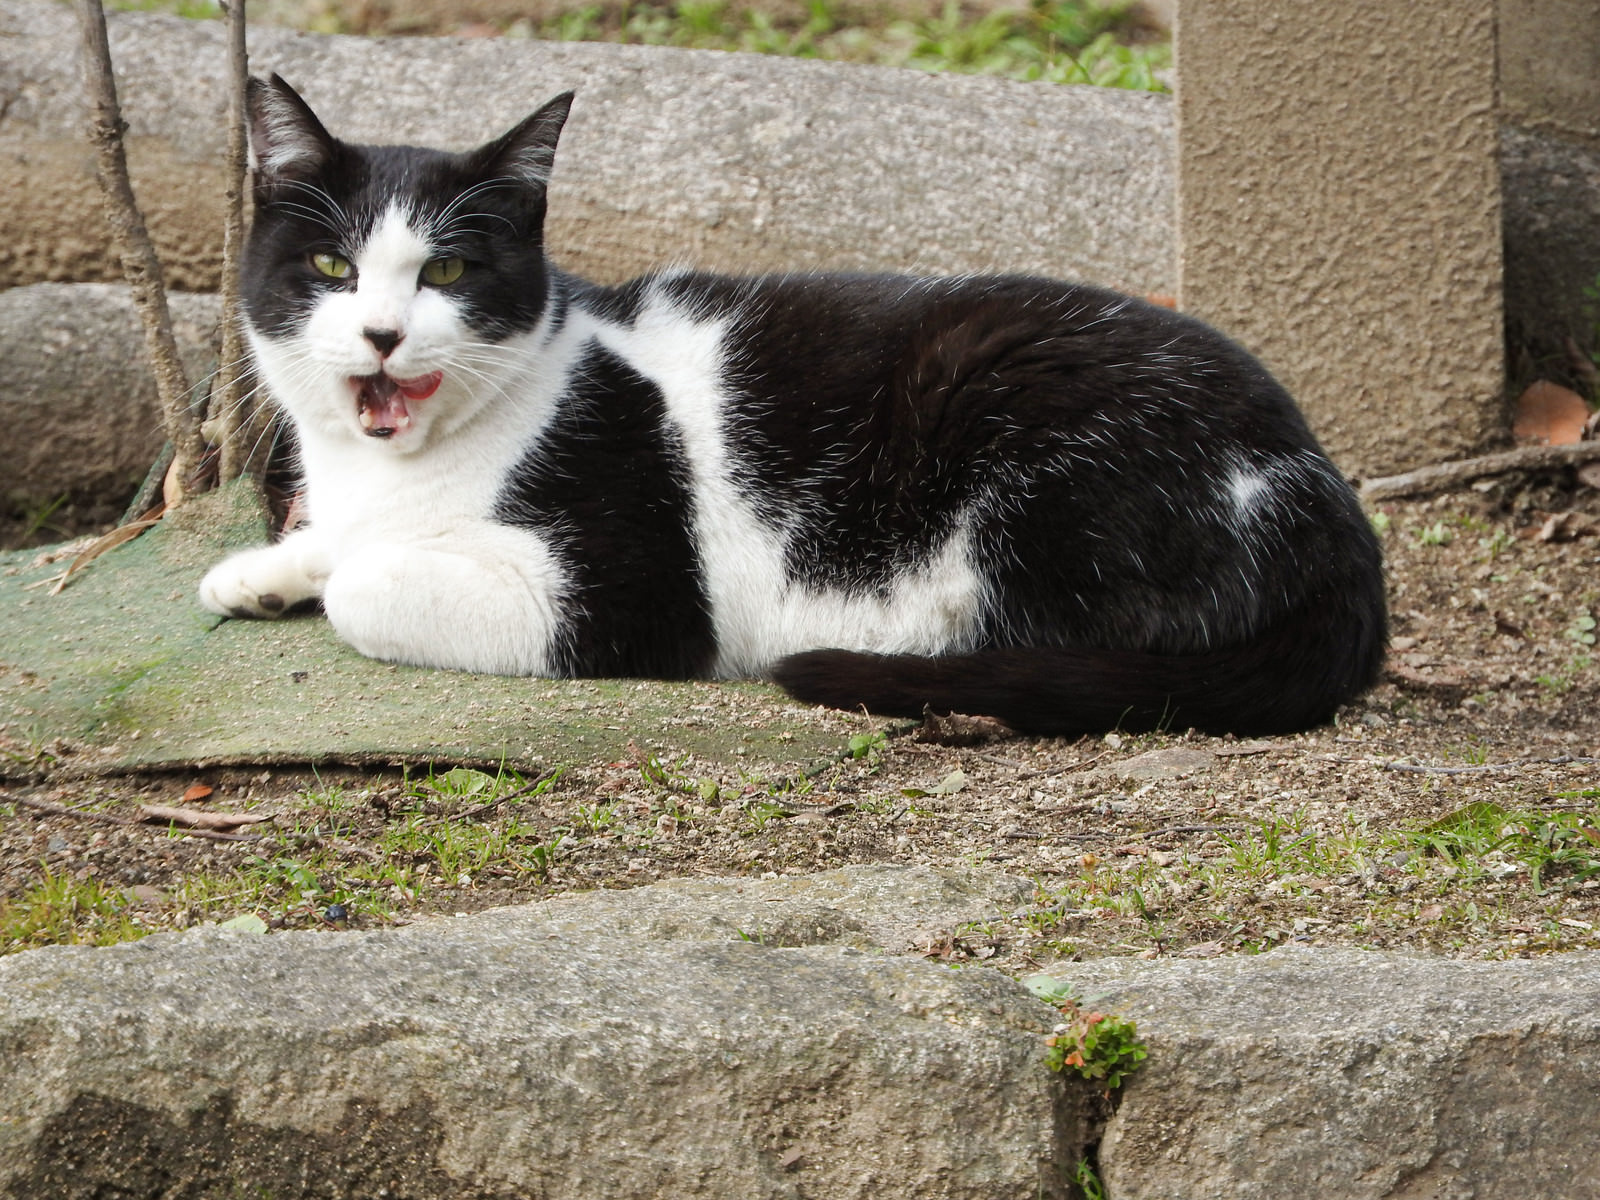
pixel 421 387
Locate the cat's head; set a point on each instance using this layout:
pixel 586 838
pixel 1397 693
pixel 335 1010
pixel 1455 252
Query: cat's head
pixel 386 287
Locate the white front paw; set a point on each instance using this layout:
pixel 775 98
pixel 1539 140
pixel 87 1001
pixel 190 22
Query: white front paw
pixel 258 583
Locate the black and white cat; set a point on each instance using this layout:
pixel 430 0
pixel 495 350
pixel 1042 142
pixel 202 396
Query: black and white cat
pixel 1003 495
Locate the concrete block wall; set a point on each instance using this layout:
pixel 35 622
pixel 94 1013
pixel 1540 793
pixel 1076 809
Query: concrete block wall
pixel 1339 212
pixel 1550 167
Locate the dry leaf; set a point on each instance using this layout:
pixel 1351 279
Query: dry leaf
pixel 1550 415
pixel 959 729
pixel 1564 526
pixel 1431 912
pixel 198 791
pixel 1589 474
pixel 1162 299
pixel 100 545
pixel 193 818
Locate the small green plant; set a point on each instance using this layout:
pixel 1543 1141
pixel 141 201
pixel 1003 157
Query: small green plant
pixel 1088 1181
pixel 63 911
pixel 1381 523
pixel 1582 628
pixel 762 811
pixel 1560 681
pixel 667 777
pixel 868 745
pixel 1097 1045
pixel 1437 534
pixel 1495 544
pixel 597 818
pixel 1484 838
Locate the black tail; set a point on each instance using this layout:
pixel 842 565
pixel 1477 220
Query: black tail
pixel 1292 678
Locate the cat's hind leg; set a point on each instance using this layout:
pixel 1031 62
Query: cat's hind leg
pixel 488 602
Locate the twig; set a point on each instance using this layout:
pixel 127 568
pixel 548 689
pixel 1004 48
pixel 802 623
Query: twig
pixel 140 266
pixel 1440 476
pixel 105 542
pixel 61 810
pixel 1384 764
pixel 83 814
pixel 1076 766
pixel 1171 829
pixel 1025 771
pixel 473 814
pixel 1001 762
pixel 1423 769
pixel 231 407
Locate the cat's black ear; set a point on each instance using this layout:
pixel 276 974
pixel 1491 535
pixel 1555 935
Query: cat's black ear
pixel 527 151
pixel 286 139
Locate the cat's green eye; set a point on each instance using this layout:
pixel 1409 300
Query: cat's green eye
pixel 334 266
pixel 441 272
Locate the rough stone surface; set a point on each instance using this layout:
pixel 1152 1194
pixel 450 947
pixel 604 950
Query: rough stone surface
pixel 877 906
pixel 79 407
pixel 1552 247
pixel 1340 200
pixel 1351 1075
pixel 1175 762
pixel 729 161
pixel 746 1037
pixel 1550 65
pixel 496 1057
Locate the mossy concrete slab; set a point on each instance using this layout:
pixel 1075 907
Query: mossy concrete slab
pixel 124 670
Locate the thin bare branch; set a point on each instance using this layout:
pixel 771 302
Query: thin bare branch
pixel 232 406
pixel 1439 476
pixel 140 266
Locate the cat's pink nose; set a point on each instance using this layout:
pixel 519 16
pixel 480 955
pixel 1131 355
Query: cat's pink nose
pixel 383 340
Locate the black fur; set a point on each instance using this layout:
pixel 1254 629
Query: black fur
pixel 607 488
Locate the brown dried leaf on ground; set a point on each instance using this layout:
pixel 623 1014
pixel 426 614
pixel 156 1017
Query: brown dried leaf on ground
pixel 1550 414
pixel 1564 526
pixel 959 729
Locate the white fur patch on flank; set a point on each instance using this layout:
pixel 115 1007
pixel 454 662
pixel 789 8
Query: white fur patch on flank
pixel 1247 490
pixel 759 614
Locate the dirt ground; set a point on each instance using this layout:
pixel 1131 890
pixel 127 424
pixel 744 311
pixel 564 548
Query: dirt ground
pixel 1452 810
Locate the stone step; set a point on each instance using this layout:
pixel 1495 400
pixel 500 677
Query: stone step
pixel 773 1037
pixel 554 1051
pixel 737 162
pixel 80 407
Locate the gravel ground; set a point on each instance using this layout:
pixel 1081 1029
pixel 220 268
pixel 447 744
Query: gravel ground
pixel 1452 810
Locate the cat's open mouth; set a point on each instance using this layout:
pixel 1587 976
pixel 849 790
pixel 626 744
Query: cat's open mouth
pixel 381 402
